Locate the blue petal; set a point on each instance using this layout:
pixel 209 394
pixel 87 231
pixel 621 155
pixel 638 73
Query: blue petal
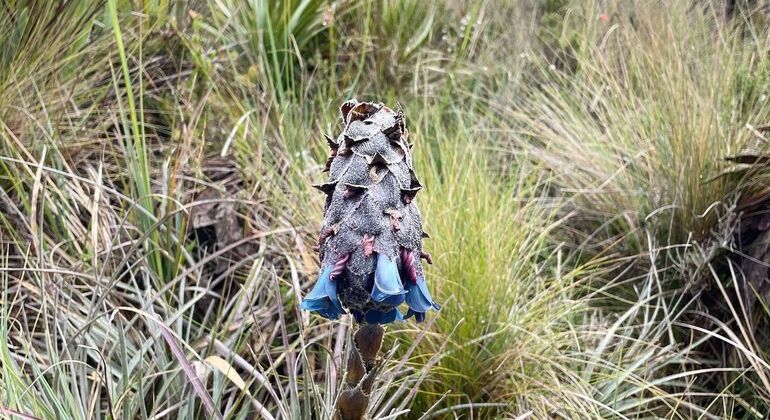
pixel 323 297
pixel 358 315
pixel 315 304
pixel 423 285
pixel 374 316
pixel 419 300
pixel 387 283
pixel 399 315
pixel 330 313
pixel 418 316
pixel 319 290
pixel 331 292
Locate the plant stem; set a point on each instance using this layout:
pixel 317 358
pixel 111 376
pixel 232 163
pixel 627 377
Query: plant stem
pixel 360 373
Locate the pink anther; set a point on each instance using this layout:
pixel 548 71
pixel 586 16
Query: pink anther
pixel 368 245
pixel 407 259
pixel 339 266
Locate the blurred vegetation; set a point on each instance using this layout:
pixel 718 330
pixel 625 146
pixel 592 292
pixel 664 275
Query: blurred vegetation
pixel 591 241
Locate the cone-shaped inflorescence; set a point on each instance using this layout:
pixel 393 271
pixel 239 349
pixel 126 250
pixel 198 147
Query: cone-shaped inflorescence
pixel 370 245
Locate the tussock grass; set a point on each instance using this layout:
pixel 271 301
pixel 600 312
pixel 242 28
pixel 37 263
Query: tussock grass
pixel 659 98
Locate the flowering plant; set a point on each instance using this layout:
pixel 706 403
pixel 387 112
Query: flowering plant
pixel 370 245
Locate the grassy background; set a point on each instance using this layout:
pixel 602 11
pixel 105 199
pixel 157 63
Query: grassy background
pixel 157 220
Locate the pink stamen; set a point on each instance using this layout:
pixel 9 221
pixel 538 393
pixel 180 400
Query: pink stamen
pixel 325 234
pixel 368 245
pixel 339 266
pixel 407 258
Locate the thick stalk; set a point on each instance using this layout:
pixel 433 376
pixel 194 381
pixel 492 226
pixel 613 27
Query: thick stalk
pixel 360 373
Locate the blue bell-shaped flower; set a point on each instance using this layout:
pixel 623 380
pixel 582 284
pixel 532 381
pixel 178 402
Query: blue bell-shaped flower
pixel 387 283
pixel 419 300
pixel 374 316
pixel 323 297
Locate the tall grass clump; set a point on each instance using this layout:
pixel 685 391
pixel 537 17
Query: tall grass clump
pixel 276 43
pixel 133 264
pixel 488 238
pixel 659 97
pixel 553 336
pixel 636 135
